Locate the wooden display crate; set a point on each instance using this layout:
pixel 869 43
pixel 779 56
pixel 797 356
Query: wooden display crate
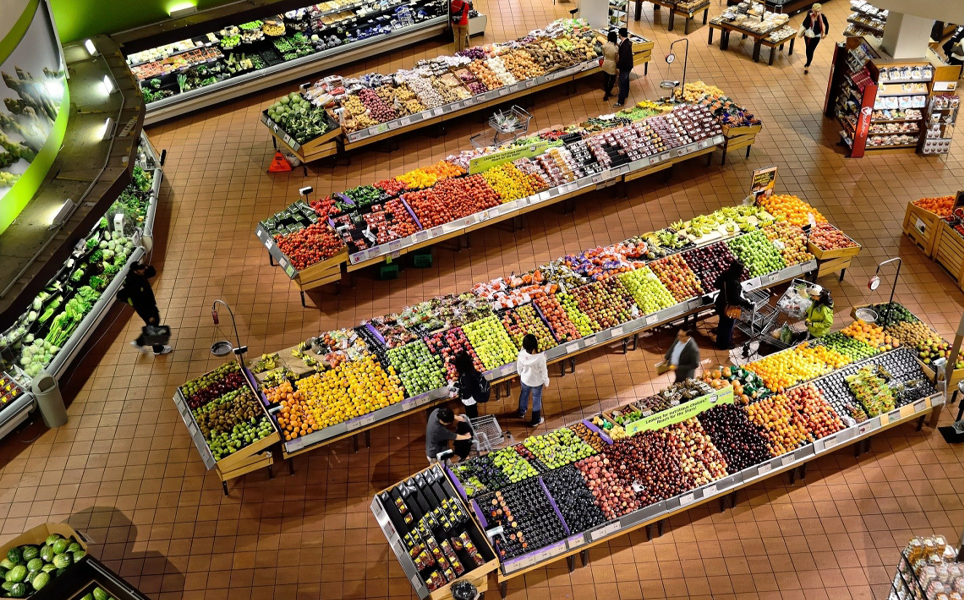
pixel 833 265
pixel 821 254
pixel 39 534
pixel 922 226
pixel 949 251
pixel 326 271
pixel 246 464
pixel 731 131
pixel 956 375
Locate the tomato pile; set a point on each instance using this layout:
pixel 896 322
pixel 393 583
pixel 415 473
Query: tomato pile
pixel 312 244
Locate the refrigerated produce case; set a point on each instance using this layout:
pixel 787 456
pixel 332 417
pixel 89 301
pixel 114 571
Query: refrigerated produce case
pixel 49 336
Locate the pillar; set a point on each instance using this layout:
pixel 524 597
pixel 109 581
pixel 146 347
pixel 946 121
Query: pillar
pixel 596 12
pixel 906 36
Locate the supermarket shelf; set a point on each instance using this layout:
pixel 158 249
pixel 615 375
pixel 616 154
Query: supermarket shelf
pixel 872 121
pixel 15 413
pixel 258 80
pixel 869 147
pixel 720 488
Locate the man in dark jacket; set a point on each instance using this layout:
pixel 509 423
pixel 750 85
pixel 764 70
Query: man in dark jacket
pixel 624 63
pixel 683 356
pixel 138 293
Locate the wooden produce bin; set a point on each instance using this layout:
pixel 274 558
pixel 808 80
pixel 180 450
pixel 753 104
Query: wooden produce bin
pixel 736 138
pixel 949 251
pixel 821 254
pixel 39 534
pixel 922 226
pixel 956 375
pixel 320 273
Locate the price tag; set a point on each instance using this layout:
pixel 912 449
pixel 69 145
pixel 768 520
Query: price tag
pixel 651 319
pixel 687 499
pixel 530 83
pixel 893 416
pixel 406 121
pixel 436 231
pixel 830 442
pixel 709 490
pixel 764 469
pixel 269 244
pixel 392 125
pixel 394 245
pixel 283 263
pixel 920 405
pixel 575 542
pixel 287 139
pixel 617 331
pixel 437 111
pixel 421 236
pixel 572 347
pixel 376 507
pixel 416 582
pixel 787 460
pixel 590 341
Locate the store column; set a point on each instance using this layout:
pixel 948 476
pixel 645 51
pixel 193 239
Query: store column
pixel 906 36
pixel 596 12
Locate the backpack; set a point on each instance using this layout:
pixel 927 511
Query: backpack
pixel 484 389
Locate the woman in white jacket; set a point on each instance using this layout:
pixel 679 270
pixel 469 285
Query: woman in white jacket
pixel 534 375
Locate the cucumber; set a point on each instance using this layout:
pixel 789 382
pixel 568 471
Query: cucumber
pixel 6 585
pixel 79 555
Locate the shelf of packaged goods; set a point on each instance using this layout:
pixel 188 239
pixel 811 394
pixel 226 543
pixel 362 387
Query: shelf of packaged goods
pixel 252 81
pixel 872 120
pixel 558 354
pixel 876 31
pixel 869 147
pixel 717 490
pixel 893 132
pixel 900 95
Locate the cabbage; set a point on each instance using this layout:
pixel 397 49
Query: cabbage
pixel 109 253
pixel 25 361
pixel 38 303
pixel 107 235
pixel 32 316
pixel 39 342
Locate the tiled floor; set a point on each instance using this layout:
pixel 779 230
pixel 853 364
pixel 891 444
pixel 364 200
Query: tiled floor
pixel 124 468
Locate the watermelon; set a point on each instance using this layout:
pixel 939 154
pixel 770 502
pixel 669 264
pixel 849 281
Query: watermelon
pixel 16 574
pixel 47 568
pixel 6 585
pixel 40 580
pixel 88 597
pixel 18 590
pixel 47 553
pixel 35 564
pixel 100 594
pixel 74 547
pixel 79 555
pixel 14 556
pixel 60 546
pixel 52 538
pixel 29 552
pixel 62 561
pixel 7 564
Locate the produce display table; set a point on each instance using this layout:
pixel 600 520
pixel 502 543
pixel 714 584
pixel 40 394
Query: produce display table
pixel 688 10
pixel 831 261
pixel 758 37
pixel 337 143
pixel 776 44
pixel 922 227
pixel 949 251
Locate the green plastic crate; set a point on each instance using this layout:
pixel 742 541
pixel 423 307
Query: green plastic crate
pixel 422 258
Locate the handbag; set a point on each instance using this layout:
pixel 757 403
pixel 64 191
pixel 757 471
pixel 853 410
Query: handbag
pixel 663 367
pixel 156 335
pixel 732 312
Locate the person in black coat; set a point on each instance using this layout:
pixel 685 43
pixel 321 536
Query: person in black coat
pixel 815 27
pixel 730 296
pixel 468 387
pixel 683 356
pixel 138 293
pixel 624 64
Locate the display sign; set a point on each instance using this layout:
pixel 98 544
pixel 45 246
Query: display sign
pixel 678 414
pixel 33 90
pixel 763 182
pixel 484 163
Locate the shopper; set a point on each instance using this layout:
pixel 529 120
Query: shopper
pixel 534 376
pixel 138 293
pixel 683 356
pixel 471 386
pixel 820 313
pixel 438 434
pixel 624 63
pixel 610 52
pixel 459 14
pixel 728 303
pixel 814 28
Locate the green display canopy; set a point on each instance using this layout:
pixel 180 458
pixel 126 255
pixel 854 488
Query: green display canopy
pixel 79 19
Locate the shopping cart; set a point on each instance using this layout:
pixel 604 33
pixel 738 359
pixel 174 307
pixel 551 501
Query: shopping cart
pixel 487 434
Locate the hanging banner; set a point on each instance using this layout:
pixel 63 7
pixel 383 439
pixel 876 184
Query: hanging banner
pixel 680 413
pixel 484 163
pixel 763 182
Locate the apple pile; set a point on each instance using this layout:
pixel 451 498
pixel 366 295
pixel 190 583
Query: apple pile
pixel 447 344
pixel 742 442
pixel 785 428
pixel 611 494
pixel 756 252
pixel 419 369
pixel 558 448
pixel 827 237
pixel 648 460
pixel 523 320
pixel 390 221
pixel 700 459
pixel 314 243
pixel 711 261
pixel 513 465
pixel 813 411
pixel 678 277
pixel 583 322
pixel 790 240
pixel 607 302
pixel 491 342
pixel 560 324
pixel 647 290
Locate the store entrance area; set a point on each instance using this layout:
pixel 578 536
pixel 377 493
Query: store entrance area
pixel 126 471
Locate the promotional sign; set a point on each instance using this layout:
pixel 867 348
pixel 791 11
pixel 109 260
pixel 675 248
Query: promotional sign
pixel 32 91
pixel 763 182
pixel 680 413
pixel 484 163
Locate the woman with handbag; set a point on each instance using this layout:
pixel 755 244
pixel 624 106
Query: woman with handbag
pixel 728 303
pixel 608 64
pixel 814 28
pixel 471 386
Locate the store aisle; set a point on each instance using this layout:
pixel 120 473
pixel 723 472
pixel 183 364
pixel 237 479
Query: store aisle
pixel 125 471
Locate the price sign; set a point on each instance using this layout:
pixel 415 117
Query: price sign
pixel 651 319
pixel 376 507
pixel 590 341
pixel 406 121
pixel 787 460
pixel 436 231
pixel 617 331
pixel 437 111
pixel 421 236
pixel 687 499
pixel 572 347
pixel 764 469
pixel 920 405
pixel 575 542
pixel 709 490
pixel 269 244
pixel 893 416
pixel 287 139
pixel 283 263
pixel 394 245
pixel 416 582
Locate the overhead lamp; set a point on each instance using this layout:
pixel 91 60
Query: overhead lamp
pixel 62 213
pixel 108 129
pixel 182 9
pixel 108 85
pixel 91 48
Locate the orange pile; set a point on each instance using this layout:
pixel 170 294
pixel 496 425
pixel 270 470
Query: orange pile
pixel 293 418
pixel 940 205
pixel 784 427
pixel 786 369
pixel 871 334
pixel 791 208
